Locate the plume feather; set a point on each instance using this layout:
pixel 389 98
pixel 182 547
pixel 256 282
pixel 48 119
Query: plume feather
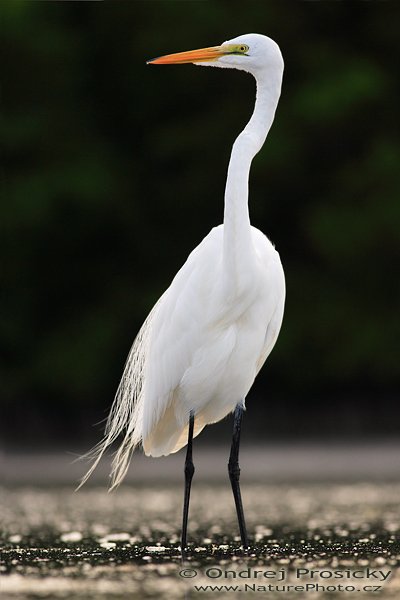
pixel 126 414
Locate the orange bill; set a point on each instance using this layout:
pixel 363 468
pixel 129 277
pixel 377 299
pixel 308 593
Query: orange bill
pixel 192 56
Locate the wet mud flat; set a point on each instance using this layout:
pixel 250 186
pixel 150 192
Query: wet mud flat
pixel 339 539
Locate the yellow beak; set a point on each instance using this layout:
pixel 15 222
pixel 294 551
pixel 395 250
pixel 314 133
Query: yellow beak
pixel 192 56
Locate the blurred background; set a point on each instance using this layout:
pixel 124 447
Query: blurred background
pixel 114 171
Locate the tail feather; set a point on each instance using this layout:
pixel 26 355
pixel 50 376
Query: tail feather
pixel 126 413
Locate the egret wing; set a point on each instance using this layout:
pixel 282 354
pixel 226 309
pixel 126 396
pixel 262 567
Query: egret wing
pixel 179 327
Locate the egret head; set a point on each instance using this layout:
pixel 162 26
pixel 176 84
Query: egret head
pixel 252 52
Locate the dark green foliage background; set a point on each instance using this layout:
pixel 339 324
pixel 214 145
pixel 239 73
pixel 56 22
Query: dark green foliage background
pixel 115 170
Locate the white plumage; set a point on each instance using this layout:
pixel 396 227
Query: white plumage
pixel 205 348
pixel 207 337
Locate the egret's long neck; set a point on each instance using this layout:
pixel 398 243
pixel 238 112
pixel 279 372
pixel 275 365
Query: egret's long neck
pixel 238 252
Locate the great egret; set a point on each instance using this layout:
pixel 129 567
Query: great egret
pixel 199 350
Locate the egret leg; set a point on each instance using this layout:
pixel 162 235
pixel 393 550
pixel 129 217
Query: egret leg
pixel 189 470
pixel 234 472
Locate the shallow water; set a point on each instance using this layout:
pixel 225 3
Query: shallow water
pixel 90 544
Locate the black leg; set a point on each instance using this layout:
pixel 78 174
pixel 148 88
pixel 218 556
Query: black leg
pixel 189 470
pixel 234 472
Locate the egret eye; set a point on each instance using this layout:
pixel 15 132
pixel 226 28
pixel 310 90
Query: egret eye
pixel 237 49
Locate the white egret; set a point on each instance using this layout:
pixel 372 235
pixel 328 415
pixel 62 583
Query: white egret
pixel 199 350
